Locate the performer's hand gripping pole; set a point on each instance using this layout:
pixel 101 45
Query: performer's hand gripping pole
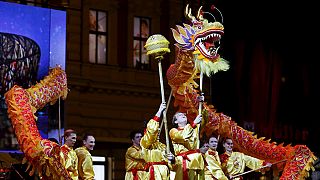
pixel 168 103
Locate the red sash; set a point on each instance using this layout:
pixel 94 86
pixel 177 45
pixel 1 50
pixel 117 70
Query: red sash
pixel 151 170
pixel 135 173
pixel 184 156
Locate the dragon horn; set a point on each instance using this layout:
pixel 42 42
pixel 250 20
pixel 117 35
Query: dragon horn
pixel 188 14
pixel 186 11
pixel 200 14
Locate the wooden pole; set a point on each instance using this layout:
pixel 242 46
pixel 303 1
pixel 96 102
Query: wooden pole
pixel 201 86
pixel 163 100
pixel 59 120
pixel 200 106
pixel 161 125
pixel 257 169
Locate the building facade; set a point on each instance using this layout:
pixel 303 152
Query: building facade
pixel 114 86
pixel 110 94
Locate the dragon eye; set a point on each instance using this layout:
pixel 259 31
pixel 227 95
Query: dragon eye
pixel 199 27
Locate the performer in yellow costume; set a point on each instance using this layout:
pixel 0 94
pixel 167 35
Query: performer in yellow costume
pixel 185 140
pixel 134 161
pixel 213 169
pixel 85 165
pixel 68 156
pixel 154 151
pixel 234 163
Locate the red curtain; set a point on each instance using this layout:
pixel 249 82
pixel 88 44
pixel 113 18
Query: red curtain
pixel 257 73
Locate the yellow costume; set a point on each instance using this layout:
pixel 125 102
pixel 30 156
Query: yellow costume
pixel 85 165
pixel 154 152
pixel 70 161
pixel 213 169
pixel 134 164
pixel 236 162
pixel 185 142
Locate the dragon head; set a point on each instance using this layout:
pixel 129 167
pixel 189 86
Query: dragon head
pixel 203 38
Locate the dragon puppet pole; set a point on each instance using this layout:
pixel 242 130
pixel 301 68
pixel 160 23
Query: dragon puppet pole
pixel 161 78
pixel 161 125
pixel 158 45
pixel 201 85
pixel 200 105
pixel 59 128
pixel 164 114
pixel 257 169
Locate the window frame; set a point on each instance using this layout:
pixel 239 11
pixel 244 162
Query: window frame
pixel 140 40
pixel 97 34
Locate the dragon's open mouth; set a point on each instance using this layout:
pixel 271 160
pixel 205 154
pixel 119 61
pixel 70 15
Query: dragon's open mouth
pixel 208 43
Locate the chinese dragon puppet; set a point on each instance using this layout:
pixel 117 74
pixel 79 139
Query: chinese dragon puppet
pixel 42 155
pixel 196 50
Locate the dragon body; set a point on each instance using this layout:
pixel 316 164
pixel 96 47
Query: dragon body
pixel 42 155
pixel 197 51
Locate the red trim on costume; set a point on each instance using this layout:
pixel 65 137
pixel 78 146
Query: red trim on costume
pixel 151 170
pixel 184 156
pixel 224 158
pixel 180 128
pixel 213 153
pixel 156 118
pixel 135 173
pixel 193 125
